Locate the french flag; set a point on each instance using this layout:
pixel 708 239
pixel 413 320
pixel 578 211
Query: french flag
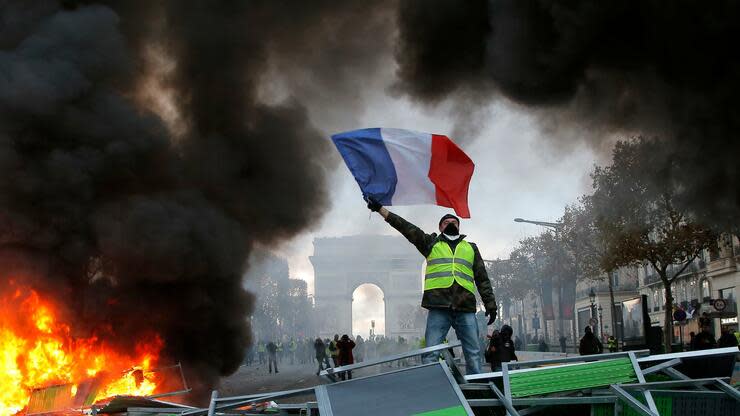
pixel 404 167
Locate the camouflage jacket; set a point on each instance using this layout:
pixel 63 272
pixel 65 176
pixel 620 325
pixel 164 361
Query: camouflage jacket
pixel 454 297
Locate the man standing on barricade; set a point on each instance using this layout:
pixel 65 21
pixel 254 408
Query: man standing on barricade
pixel 454 270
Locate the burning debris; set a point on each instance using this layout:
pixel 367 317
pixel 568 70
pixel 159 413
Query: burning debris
pixel 38 349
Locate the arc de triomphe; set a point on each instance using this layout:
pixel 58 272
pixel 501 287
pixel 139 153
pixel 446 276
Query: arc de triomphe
pixel 390 262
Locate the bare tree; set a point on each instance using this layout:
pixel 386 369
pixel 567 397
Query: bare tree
pixel 635 196
pixel 512 279
pixel 591 237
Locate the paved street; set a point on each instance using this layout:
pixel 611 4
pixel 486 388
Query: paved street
pixel 256 379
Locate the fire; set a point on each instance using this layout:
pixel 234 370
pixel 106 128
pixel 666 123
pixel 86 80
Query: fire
pixel 38 350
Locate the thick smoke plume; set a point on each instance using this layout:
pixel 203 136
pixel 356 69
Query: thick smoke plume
pixel 668 69
pixel 141 220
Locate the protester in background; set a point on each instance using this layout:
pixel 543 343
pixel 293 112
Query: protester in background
pixel 562 341
pixel 272 351
pixel 345 346
pixel 727 339
pixel 705 320
pixel 301 351
pixel 370 348
pixel 590 344
pixel 518 343
pixel 692 340
pixel 321 357
pixel 611 343
pixel 327 342
pixel 360 349
pixel 542 346
pixel 501 348
pixel 483 342
pixel 704 340
pixel 292 347
pixel 398 348
pixel 279 346
pixel 334 351
pixel 310 353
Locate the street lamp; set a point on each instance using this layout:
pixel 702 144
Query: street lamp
pixel 592 298
pixel 554 225
pixel 557 227
pixel 601 321
pixel 535 321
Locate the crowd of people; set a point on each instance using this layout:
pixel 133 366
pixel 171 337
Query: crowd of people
pixel 499 347
pixel 341 350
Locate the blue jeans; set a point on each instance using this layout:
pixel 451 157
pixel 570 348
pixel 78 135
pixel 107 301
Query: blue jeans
pixel 439 322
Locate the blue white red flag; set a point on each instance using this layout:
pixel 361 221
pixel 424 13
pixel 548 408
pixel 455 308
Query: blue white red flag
pixel 403 167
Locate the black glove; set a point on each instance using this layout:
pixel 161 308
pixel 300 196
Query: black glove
pixel 491 316
pixel 373 205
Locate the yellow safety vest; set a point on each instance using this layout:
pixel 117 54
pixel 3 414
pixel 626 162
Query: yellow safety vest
pixel 334 353
pixel 445 267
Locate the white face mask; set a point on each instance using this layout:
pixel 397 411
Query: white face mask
pixel 452 237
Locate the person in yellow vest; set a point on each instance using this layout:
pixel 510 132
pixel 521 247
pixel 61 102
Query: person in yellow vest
pixel 454 271
pixel 334 350
pixel 292 347
pixel 611 343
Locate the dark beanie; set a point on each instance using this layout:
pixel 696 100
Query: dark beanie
pixel 448 216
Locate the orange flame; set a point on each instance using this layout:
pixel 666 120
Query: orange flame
pixel 37 350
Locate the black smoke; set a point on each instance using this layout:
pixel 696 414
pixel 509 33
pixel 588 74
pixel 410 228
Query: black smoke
pixel 665 69
pixel 139 226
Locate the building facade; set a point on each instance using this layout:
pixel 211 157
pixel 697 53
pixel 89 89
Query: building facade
pixel 713 275
pixel 625 282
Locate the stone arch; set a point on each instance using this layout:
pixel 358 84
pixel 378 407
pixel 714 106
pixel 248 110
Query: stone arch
pixel 342 264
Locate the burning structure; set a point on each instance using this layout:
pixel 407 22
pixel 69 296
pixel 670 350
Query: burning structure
pixel 39 349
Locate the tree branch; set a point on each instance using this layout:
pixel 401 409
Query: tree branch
pixel 686 264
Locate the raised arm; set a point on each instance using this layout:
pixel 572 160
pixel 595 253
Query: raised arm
pixel 416 236
pixel 384 213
